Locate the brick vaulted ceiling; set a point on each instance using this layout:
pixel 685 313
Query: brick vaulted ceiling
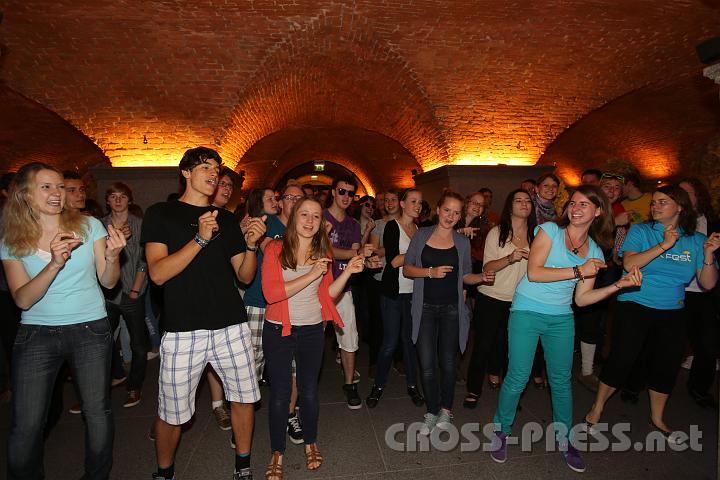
pixel 369 84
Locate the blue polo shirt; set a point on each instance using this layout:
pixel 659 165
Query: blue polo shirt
pixel 667 275
pixel 553 298
pixel 253 295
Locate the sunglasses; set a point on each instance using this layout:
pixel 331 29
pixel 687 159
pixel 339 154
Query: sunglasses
pixel 292 198
pixel 369 205
pixel 349 193
pixel 612 176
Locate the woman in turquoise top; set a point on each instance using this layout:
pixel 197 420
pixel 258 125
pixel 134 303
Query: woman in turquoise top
pixel 670 253
pixel 564 258
pixel 53 258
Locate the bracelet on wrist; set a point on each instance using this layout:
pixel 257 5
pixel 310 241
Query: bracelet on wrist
pixel 617 286
pixel 201 241
pixel 661 247
pixel 578 275
pixel 708 263
pixel 251 249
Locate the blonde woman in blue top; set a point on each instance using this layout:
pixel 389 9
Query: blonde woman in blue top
pixel 53 259
pixel 670 253
pixel 565 257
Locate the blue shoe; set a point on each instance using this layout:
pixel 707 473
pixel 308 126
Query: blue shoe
pixel 573 459
pixel 498 447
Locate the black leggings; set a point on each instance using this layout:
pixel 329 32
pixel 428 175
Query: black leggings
pixel 490 351
pixel 702 328
pixel 658 335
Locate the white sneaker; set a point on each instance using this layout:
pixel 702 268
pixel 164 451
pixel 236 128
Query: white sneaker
pixel 444 420
pixel 429 423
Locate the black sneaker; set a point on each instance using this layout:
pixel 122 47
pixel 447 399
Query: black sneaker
pixel 415 396
pixel 372 400
pixel 353 399
pixel 244 474
pixel 294 429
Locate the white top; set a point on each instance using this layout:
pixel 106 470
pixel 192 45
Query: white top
pixel 507 279
pixel 304 306
pixel 405 285
pixel 694 286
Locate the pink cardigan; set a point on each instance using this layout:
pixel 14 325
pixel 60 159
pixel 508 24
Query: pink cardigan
pixel 273 286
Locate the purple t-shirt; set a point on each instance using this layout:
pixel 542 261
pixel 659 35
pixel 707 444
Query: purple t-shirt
pixel 342 235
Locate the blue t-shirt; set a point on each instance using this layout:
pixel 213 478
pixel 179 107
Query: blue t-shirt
pixel 553 298
pixel 253 295
pixel 667 275
pixel 74 296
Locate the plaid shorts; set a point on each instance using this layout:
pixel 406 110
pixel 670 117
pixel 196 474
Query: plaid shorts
pixel 183 357
pixel 256 317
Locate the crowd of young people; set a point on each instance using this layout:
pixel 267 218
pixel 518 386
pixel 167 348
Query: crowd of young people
pixel 246 301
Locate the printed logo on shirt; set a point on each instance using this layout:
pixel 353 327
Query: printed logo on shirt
pixel 334 237
pixel 677 257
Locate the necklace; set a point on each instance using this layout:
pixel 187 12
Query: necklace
pixel 575 249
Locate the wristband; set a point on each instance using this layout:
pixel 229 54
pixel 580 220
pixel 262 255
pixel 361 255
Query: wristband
pixel 578 275
pixel 251 249
pixel 201 241
pixel 661 247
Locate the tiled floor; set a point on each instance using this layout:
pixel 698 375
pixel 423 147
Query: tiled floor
pixel 353 442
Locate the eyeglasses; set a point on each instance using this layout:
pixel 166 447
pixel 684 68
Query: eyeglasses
pixel 477 204
pixel 369 205
pixel 349 193
pixel 226 185
pixel 612 176
pixel 292 198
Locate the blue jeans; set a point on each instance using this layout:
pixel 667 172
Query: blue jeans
pixel 38 354
pixel 397 324
pixel 305 344
pixel 438 341
pixel 556 333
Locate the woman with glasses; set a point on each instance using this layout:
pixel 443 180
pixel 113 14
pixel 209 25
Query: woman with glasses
pixel 564 258
pixel 670 252
pixel 475 225
pixel 438 261
pixel 506 252
pixel 395 300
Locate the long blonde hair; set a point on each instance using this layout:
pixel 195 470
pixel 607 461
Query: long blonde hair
pixel 320 246
pixel 21 222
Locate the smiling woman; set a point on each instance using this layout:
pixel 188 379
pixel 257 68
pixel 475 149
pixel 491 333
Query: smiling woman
pixel 53 258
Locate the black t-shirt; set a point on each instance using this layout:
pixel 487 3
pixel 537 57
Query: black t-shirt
pixel 204 295
pixel 441 291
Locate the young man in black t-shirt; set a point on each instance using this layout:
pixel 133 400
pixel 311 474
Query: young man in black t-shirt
pixel 197 252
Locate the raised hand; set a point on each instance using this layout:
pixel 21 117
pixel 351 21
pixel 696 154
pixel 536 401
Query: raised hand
pixel 207 225
pixel 255 230
pixel 367 250
pixel 670 237
pixel 355 264
pixel 518 254
pixel 624 218
pixel 62 246
pixel 590 268
pixel 441 272
pixel 712 243
pixel 370 226
pixel 320 267
pixel 244 223
pixel 125 230
pixel 469 232
pixel 373 261
pixel 632 279
pixel 114 243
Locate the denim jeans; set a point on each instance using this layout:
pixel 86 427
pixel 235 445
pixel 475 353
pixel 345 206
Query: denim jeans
pixel 38 354
pixel 438 341
pixel 133 312
pixel 305 344
pixel 397 324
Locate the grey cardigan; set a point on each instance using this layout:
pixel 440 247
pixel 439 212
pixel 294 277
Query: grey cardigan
pixel 413 256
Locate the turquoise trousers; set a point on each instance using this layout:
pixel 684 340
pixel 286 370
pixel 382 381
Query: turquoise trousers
pixel 556 332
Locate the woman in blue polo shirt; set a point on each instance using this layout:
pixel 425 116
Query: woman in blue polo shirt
pixel 564 257
pixel 669 253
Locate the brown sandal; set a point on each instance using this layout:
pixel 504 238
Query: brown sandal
pixel 275 469
pixel 314 459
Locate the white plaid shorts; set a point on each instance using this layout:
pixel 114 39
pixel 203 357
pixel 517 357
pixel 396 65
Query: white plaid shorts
pixel 183 357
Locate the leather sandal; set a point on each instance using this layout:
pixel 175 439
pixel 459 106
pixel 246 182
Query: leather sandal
pixel 275 468
pixel 312 454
